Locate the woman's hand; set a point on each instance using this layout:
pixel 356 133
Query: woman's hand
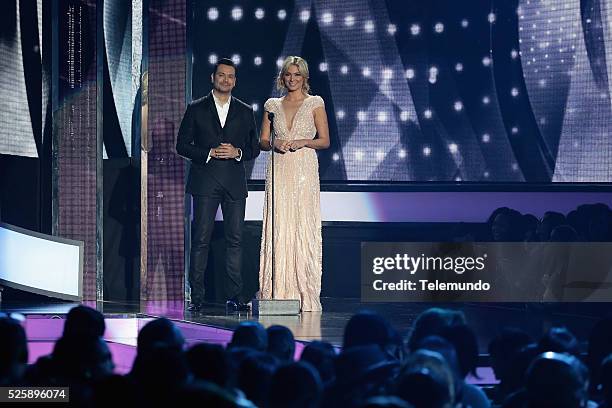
pixel 295 145
pixel 281 146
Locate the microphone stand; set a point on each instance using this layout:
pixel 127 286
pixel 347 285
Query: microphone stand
pixel 272 137
pixel 273 306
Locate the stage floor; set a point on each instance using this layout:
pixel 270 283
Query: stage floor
pixel 487 319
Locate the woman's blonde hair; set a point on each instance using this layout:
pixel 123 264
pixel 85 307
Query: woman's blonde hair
pixel 302 67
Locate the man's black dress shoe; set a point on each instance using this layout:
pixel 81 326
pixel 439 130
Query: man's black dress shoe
pixel 195 307
pixel 236 306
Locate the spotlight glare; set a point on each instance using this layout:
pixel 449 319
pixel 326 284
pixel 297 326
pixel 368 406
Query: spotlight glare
pixel 344 70
pixel 458 106
pixel 361 116
pixel 453 148
pixel 491 18
pixel 323 67
pixel 340 114
pixel 401 154
pixel 282 14
pixel 257 60
pixel 514 130
pixel 486 100
pixel 415 29
pixel 486 61
pixel 255 106
pixel 427 151
pixel 236 13
pixel 387 74
pixel 382 116
pixel 213 14
pixel 349 20
pixel 366 72
pixel 439 28
pixel 427 113
pixel 369 26
pixel 404 115
pixel 391 29
pixel 464 23
pixel 459 67
pixel 304 15
pixel 486 138
pixel 212 59
pixel 514 92
pixel 236 59
pixel 327 18
pixel 335 157
pixel 259 13
pixel 409 73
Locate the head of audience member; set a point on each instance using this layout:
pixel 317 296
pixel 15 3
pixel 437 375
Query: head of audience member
pixel 426 380
pixel 503 349
pixel 281 343
pixel 83 358
pixel 159 332
pixel 514 379
pixel 605 380
pixel 563 233
pixel 13 351
pixel 550 220
pixel 505 225
pixel 463 339
pixel 559 340
pixel 432 322
pixel 84 321
pixel 250 335
pixel 367 327
pixel 255 376
pixel 385 401
pixel 557 380
pixel 295 385
pixel 530 226
pixel 599 347
pixel 204 394
pixel 208 362
pixel 321 355
pixel 160 371
pixel 598 223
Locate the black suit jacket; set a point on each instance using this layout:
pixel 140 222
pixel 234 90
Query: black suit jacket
pixel 201 131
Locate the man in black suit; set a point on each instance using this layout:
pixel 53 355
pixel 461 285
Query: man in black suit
pixel 218 134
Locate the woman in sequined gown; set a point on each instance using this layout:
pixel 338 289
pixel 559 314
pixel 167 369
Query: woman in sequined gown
pixel 300 126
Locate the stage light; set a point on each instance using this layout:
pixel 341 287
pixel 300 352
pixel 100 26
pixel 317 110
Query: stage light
pixel 486 138
pixel 279 62
pixel 304 15
pixel 369 26
pixel 349 20
pixel 439 28
pixel 382 116
pixel 542 121
pixel 458 178
pixel 380 155
pixel 486 174
pixel 259 13
pixel 387 74
pixel 212 59
pixel 255 106
pixel 426 151
pixel 236 59
pixel 491 18
pixel 458 106
pixel 514 92
pixel 335 157
pixel 361 116
pixel 452 147
pixel 340 114
pixel 257 61
pixel 401 154
pixel 514 54
pixel 282 14
pixel 409 73
pixel 391 29
pixel 486 61
pixel 427 113
pixel 515 167
pixel 366 72
pixel 433 75
pixel 236 13
pixel 327 18
pixel 359 155
pixel 464 23
pixel 415 29
pixel 323 67
pixel 486 100
pixel 514 130
pixel 404 115
pixel 344 70
pixel 458 67
pixel 213 14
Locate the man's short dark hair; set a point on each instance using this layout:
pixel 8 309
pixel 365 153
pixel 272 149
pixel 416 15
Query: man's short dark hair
pixel 224 61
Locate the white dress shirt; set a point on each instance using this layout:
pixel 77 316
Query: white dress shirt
pixel 222 111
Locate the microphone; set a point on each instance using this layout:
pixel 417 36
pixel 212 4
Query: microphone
pixel 271 116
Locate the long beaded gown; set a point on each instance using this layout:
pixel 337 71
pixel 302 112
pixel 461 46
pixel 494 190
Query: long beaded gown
pixel 297 212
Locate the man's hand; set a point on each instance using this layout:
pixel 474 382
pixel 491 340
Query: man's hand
pixel 225 151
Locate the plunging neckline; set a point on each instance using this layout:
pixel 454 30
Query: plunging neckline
pixel 294 115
